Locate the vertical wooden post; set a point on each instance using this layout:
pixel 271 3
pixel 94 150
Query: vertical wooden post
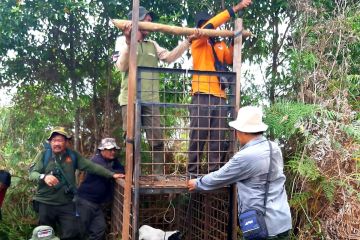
pixel 237 69
pixel 130 122
pixel 237 59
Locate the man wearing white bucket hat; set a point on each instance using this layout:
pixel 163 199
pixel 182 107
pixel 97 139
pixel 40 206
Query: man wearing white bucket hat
pixel 257 170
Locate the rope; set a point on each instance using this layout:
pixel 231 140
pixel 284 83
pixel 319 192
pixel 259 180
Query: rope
pixel 167 210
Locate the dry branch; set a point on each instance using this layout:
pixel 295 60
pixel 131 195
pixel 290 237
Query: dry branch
pixel 175 30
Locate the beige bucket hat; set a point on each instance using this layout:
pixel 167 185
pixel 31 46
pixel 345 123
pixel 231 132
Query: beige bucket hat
pixel 249 120
pixel 108 143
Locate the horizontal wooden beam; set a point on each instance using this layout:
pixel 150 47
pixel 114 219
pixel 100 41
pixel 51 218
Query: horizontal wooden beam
pixel 175 30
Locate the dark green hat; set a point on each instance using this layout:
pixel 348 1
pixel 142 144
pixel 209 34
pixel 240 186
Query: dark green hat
pixel 61 131
pixel 142 13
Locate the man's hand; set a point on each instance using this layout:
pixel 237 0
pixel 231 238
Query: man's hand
pixel 197 34
pixel 118 175
pixel 241 5
pixel 191 184
pixel 127 33
pixel 51 180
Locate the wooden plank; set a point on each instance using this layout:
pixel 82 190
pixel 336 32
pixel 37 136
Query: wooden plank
pixel 237 69
pixel 175 30
pixel 130 123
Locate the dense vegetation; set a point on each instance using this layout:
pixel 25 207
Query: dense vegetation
pixel 57 55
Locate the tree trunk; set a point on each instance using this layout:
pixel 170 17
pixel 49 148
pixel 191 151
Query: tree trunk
pixel 74 81
pixel 108 77
pixel 94 107
pixel 275 54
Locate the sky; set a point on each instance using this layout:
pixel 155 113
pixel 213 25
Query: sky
pixel 5 96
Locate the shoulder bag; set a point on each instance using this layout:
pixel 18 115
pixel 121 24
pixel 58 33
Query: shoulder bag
pixel 252 222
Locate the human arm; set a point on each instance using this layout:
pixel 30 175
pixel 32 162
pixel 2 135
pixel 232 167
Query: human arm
pixel 241 5
pixel 38 172
pixel 170 56
pixel 237 168
pixel 118 167
pixel 38 168
pixel 225 15
pixel 94 168
pixel 122 63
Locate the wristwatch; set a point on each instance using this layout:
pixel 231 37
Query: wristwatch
pixel 42 176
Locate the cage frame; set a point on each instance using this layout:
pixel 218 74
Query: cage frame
pixel 131 182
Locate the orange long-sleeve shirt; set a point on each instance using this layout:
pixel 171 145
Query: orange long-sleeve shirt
pixel 203 58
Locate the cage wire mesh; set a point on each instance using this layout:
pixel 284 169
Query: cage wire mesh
pixel 182 133
pixel 179 134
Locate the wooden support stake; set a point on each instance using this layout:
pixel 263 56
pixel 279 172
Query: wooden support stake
pixel 130 123
pixel 237 69
pixel 175 30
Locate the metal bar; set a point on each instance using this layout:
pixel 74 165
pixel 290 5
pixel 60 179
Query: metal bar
pixel 176 70
pixel 130 121
pixel 135 205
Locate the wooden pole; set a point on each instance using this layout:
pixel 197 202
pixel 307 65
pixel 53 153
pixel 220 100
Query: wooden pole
pixel 175 30
pixel 237 60
pixel 130 123
pixel 237 69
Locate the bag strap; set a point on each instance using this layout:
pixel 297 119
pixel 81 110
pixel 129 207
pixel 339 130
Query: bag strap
pixel 268 178
pixel 217 61
pixel 66 179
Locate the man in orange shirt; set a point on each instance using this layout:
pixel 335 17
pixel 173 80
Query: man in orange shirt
pixel 208 113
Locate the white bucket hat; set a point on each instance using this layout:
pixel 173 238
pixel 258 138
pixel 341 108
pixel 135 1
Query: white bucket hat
pixel 108 143
pixel 43 233
pixel 249 120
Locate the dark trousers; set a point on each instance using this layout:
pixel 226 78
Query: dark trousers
pixel 92 219
pixel 281 236
pixel 62 216
pixel 207 116
pixel 150 119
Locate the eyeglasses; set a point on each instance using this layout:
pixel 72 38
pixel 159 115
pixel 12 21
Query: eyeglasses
pixel 55 140
pixel 112 150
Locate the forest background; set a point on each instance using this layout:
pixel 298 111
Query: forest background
pixel 57 55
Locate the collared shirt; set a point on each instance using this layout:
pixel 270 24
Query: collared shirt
pixel 148 55
pixel 248 168
pixel 122 63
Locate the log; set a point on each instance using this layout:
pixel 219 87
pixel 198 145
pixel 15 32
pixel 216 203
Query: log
pixel 175 30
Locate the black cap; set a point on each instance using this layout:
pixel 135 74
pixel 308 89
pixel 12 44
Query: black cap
pixel 142 13
pixel 201 17
pixel 5 178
